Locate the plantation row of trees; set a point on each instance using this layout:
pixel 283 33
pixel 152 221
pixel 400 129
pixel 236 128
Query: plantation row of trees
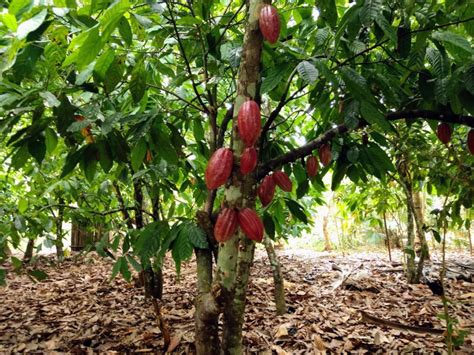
pixel 111 110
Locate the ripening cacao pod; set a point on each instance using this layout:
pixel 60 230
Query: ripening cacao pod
pixel 251 224
pixel 312 166
pixel 266 190
pixel 85 132
pixel 269 23
pixel 248 160
pixel 219 168
pixel 149 156
pixel 282 180
pixel 226 225
pixel 325 155
pixel 470 141
pixel 444 132
pixel 249 122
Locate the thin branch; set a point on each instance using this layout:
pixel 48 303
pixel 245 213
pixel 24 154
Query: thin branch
pixel 308 148
pixel 186 61
pixel 222 129
pixel 177 96
pixel 230 22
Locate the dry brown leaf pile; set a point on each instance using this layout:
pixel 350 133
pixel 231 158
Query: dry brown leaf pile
pixel 77 309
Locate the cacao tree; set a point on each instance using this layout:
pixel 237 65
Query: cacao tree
pixel 160 87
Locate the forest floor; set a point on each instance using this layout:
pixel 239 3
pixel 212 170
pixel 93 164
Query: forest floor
pixel 78 309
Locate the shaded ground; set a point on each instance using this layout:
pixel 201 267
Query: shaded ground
pixel 77 309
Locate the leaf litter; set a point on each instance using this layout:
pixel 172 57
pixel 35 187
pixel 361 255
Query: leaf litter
pixel 79 310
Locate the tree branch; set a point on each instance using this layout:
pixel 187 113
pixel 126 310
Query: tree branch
pixel 223 127
pixel 308 148
pixel 186 61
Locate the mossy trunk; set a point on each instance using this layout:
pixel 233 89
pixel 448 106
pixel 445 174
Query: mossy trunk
pixel 327 239
pixel 419 215
pixel 29 250
pixel 410 247
pixel 278 280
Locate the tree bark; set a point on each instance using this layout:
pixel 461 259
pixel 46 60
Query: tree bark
pixel 327 239
pixel 387 236
pixel 411 268
pixel 29 250
pixel 470 240
pixel 418 206
pixel 278 280
pixel 59 230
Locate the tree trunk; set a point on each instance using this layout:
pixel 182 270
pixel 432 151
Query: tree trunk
pixel 410 253
pixel 59 230
pixel 470 240
pixel 418 207
pixel 327 239
pixel 278 280
pixel 29 250
pixel 387 236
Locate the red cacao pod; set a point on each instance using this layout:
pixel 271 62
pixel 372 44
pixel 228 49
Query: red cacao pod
pixel 325 154
pixel 219 168
pixel 226 225
pixel 249 122
pixel 251 224
pixel 269 23
pixel 312 166
pixel 248 160
pixel 470 141
pixel 266 190
pixel 282 180
pixel 444 132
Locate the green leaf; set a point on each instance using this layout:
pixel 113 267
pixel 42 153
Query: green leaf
pixel 51 100
pixel 117 267
pixel 138 154
pixel 31 24
pixel 125 31
pixel 3 276
pixel 356 84
pixel 308 72
pixel 353 154
pixel 51 140
pixel 18 7
pixel 196 236
pixel 461 44
pixel 370 11
pixel 37 148
pixel 103 63
pixel 272 78
pixel 297 210
pixel 138 83
pixel 135 264
pixel 198 131
pixel 9 21
pixel 90 48
pixel 302 189
pixel 20 158
pixel 72 160
pixel 387 29
pixel 114 74
pixel 372 115
pixel 105 156
pixel 22 205
pixel 182 250
pixel 111 17
pixel 269 225
pixel 39 275
pixel 89 164
pixel 328 11
pixel 379 156
pixel 340 169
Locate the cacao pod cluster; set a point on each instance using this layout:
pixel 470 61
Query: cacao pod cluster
pixel 229 220
pixel 269 23
pixel 249 124
pixel 325 154
pixel 444 133
pixel 266 189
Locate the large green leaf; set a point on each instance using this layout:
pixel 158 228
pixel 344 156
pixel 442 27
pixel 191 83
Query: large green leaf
pixel 308 72
pixel 456 44
pixel 297 210
pixel 370 11
pixel 138 154
pixel 31 24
